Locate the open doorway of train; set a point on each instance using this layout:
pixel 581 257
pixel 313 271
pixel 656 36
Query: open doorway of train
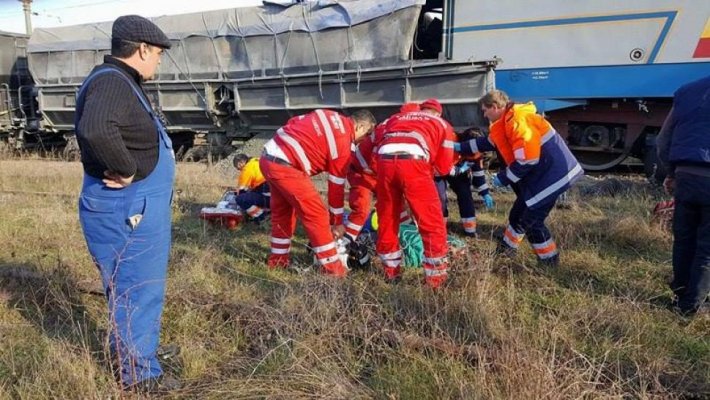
pixel 430 31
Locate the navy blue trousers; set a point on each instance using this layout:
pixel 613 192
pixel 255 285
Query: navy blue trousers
pixel 691 242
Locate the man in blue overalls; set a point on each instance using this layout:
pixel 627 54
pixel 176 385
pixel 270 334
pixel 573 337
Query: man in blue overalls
pixel 124 206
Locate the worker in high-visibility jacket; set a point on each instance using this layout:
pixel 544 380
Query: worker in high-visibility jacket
pixel 538 166
pixel 363 180
pixel 467 174
pixel 414 147
pixel 319 141
pixel 253 195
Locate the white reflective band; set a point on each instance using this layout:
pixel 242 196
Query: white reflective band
pixel 328 134
pixel 547 136
pixel 254 211
pixel 336 180
pixel 555 186
pixel 325 247
pixel 272 148
pixel 474 146
pixel 510 243
pixel 519 154
pixel 543 244
pixel 434 272
pixel 392 263
pixel 514 233
pixel 548 255
pixel 279 251
pixel 479 173
pixel 297 148
pixel 513 178
pixel 352 226
pixel 528 162
pixel 471 219
pixel 329 137
pixel 336 211
pixel 453 171
pixel 268 194
pixel 280 241
pixel 435 260
pixel 448 144
pixel 391 256
pixel 409 148
pixel 482 187
pixel 361 160
pixel 404 214
pixel 413 135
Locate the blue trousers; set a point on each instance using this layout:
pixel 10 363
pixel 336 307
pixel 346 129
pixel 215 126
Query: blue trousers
pixel 461 185
pixel 691 241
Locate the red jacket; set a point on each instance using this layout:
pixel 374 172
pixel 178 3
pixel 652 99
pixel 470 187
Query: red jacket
pixel 361 160
pixel 433 134
pixel 318 142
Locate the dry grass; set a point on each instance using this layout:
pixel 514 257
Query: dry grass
pixel 596 328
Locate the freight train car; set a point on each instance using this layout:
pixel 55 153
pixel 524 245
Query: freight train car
pixel 17 108
pixel 603 71
pixel 235 73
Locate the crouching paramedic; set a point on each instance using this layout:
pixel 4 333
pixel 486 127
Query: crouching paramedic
pixel 414 147
pixel 253 192
pixel 468 173
pixel 363 181
pixel 538 166
pixel 307 145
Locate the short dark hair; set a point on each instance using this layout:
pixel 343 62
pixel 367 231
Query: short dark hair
pixel 240 157
pixel 123 48
pixel 363 116
pixel 470 133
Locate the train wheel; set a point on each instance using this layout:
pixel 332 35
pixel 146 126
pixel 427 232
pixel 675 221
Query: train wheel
pixel 597 160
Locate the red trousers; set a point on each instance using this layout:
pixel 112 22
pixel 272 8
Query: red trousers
pixel 360 199
pixel 413 181
pixel 294 195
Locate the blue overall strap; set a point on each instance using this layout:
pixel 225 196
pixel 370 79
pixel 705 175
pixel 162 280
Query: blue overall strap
pixel 131 190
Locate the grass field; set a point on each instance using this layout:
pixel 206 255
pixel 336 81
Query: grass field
pixel 597 327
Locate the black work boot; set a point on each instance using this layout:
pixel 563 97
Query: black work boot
pixel 552 262
pixel 159 384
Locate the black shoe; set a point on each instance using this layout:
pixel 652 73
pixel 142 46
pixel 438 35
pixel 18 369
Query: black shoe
pixel 160 384
pixel 552 262
pixel 505 250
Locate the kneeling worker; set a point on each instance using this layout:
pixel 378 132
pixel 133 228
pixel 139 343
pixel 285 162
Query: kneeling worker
pixel 253 192
pixel 307 145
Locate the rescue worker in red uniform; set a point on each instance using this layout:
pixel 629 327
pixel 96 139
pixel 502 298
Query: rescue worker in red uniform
pixel 363 180
pixel 414 148
pixel 538 166
pixel 307 145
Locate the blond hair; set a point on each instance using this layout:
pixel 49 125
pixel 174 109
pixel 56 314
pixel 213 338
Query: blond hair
pixel 495 97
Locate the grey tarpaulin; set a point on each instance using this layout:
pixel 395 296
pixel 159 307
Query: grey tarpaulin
pixel 241 42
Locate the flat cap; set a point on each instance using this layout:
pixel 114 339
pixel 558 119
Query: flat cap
pixel 135 28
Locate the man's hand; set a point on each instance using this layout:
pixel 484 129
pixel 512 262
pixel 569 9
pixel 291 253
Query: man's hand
pixel 116 181
pixel 338 231
pixel 669 185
